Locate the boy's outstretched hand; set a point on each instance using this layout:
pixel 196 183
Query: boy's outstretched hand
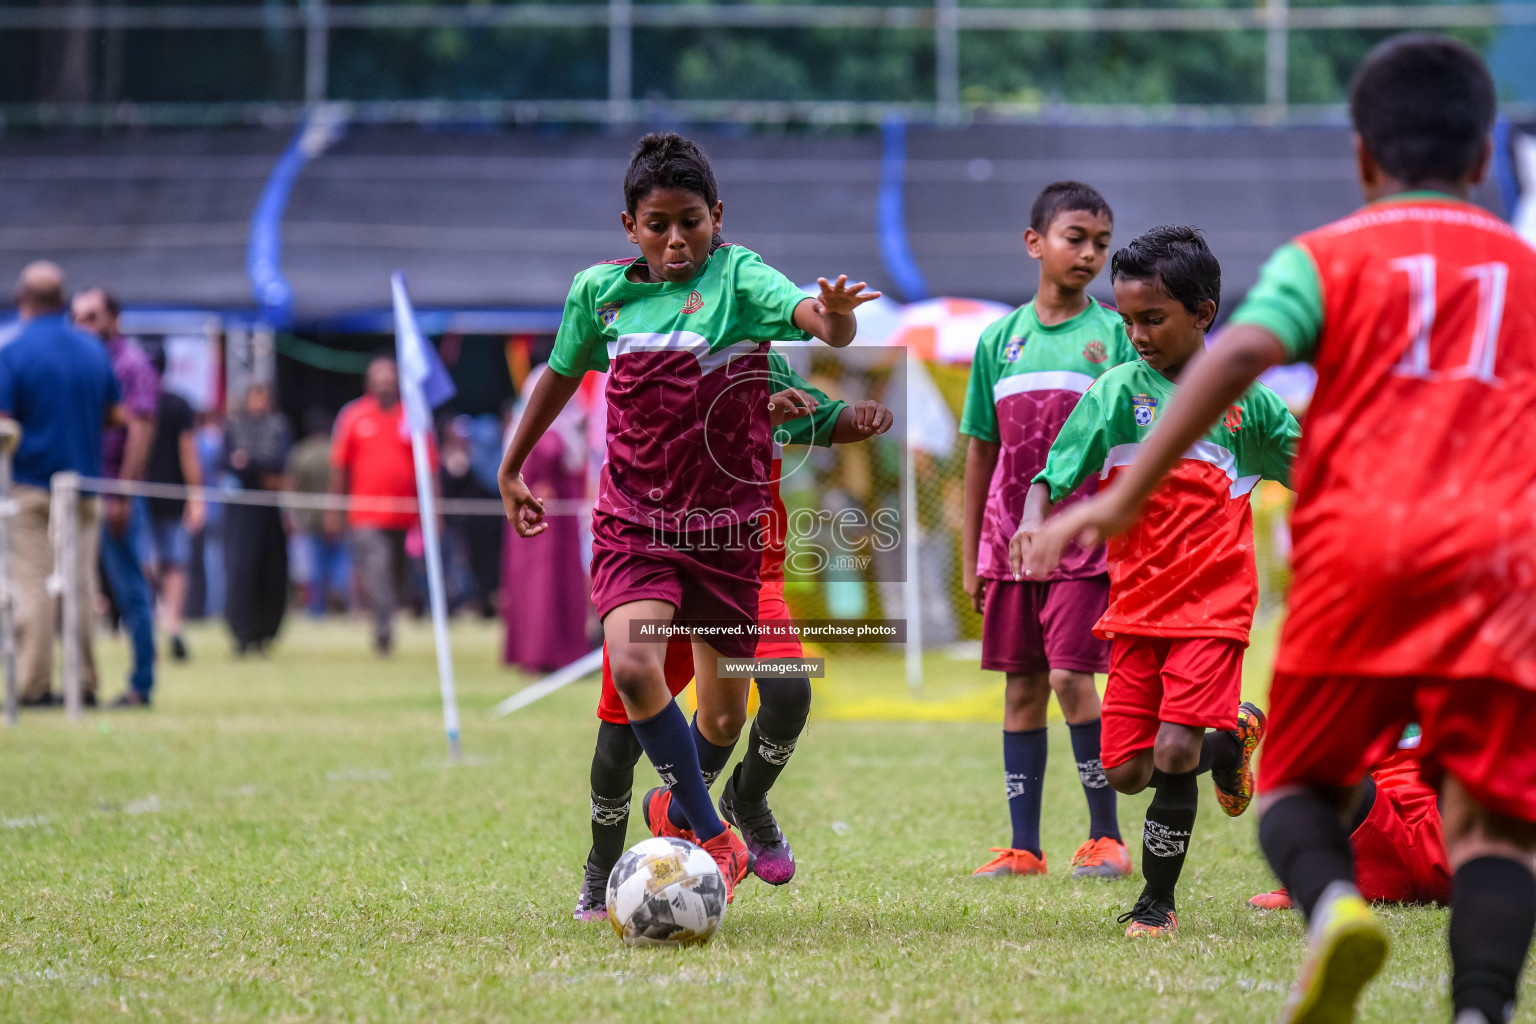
pixel 789 404
pixel 1089 522
pixel 524 511
pixel 829 316
pixel 839 298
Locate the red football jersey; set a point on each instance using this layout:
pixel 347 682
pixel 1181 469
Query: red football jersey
pixel 1415 524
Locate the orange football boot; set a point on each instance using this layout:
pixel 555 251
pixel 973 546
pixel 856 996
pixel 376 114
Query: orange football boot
pixel 1277 900
pixel 1234 789
pixel 1101 858
pixel 1152 917
pixel 731 856
pixel 1011 862
pixel 654 807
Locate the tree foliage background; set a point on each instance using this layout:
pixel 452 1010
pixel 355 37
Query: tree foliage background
pixel 789 64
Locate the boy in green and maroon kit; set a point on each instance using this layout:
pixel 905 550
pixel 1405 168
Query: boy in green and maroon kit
pixel 1031 367
pixel 1414 595
pixel 1182 581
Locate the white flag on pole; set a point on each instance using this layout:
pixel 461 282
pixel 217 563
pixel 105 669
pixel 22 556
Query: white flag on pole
pixel 424 385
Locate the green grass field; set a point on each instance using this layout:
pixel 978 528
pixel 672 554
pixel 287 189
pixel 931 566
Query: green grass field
pixel 284 840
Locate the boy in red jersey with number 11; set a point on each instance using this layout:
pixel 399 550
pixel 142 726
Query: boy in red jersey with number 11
pixel 1414 592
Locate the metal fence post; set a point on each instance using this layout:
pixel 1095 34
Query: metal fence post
pixel 66 559
pixel 946 62
pixel 621 60
pixel 1276 57
pixel 10 437
pixel 317 49
pixel 912 592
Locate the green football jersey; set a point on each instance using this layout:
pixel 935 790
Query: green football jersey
pixel 1025 380
pixel 688 384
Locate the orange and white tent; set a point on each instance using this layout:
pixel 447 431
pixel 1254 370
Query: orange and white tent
pixel 945 330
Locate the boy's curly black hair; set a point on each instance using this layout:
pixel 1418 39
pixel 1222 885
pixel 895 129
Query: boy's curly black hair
pixel 1175 257
pixel 667 160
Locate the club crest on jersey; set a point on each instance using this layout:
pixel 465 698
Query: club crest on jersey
pixel 1146 409
pixel 694 304
pixel 1233 419
pixel 1095 352
pixel 608 313
pixel 1014 349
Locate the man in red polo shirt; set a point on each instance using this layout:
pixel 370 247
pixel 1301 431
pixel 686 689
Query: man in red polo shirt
pixel 371 458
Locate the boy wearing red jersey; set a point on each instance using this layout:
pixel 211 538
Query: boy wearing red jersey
pixel 1414 531
pixel 1182 583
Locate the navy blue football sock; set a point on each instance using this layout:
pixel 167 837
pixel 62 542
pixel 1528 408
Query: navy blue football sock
pixel 666 740
pixel 1024 770
pixel 1103 822
pixel 712 761
pixel 712 758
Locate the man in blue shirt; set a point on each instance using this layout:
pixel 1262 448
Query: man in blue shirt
pixel 57 382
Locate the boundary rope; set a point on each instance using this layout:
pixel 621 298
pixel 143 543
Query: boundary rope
pixel 322 502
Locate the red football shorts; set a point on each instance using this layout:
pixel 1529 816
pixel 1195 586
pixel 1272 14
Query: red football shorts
pixel 678 666
pixel 772 606
pixel 1400 846
pixel 1328 730
pixel 1195 681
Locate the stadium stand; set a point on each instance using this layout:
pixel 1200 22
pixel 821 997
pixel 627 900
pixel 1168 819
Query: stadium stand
pixel 484 219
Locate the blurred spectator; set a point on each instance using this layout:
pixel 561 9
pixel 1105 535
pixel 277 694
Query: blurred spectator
pixel 124 456
pixel 167 548
pixel 205 591
pixel 473 541
pixel 543 582
pixel 57 382
pixel 256 443
pixel 328 570
pixel 371 458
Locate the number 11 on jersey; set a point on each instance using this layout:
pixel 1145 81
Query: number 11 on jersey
pixel 1491 281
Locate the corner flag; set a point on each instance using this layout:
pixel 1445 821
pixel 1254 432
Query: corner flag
pixel 424 385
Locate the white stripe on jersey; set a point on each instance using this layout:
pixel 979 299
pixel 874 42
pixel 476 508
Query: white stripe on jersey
pixel 1041 380
pixel 1200 451
pixel 695 345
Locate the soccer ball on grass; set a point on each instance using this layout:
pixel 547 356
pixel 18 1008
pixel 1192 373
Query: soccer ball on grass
pixel 665 892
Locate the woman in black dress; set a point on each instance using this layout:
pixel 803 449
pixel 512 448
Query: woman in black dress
pixel 256 443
